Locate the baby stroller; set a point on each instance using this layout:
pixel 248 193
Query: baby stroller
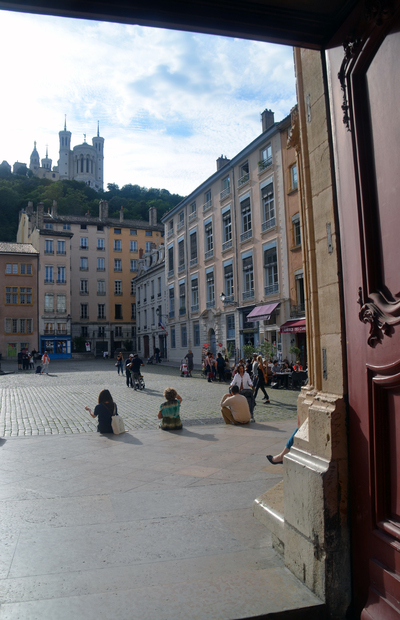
pixel 184 368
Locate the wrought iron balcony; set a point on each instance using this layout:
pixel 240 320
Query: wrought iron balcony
pixel 182 311
pixel 248 294
pixel 246 235
pixel 207 205
pixel 170 273
pixel 211 304
pixel 209 254
pixel 264 164
pixel 193 262
pixel 225 193
pixel 244 179
pixel 268 224
pixel 227 245
pixel 170 232
pixel 195 308
pixel 180 225
pixel 181 268
pixel 192 216
pixel 171 314
pixel 270 290
pixel 299 310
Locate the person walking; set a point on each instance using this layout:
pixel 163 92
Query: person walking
pixel 189 357
pixel 209 366
pixel 120 363
pixel 220 367
pixel 261 380
pixel 45 363
pixel 134 369
pixel 157 354
pixel 128 363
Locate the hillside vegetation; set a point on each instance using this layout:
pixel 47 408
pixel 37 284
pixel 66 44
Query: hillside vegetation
pixel 75 198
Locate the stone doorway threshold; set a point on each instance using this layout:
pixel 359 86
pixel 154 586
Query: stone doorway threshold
pixel 148 525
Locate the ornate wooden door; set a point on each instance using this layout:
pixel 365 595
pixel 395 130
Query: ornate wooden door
pixel 365 112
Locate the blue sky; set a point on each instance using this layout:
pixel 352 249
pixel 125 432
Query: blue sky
pixel 169 103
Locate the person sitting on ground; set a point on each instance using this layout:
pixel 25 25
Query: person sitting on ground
pixel 278 458
pixel 235 408
pixel 245 385
pixel 105 409
pixel 169 413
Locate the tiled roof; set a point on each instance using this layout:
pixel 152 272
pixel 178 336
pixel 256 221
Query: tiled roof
pixel 17 248
pixel 95 221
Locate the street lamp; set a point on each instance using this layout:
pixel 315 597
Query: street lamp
pixel 222 297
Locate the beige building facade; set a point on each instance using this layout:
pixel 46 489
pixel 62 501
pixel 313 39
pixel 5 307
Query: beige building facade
pixel 19 309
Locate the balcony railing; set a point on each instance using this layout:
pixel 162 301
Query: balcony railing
pixel 101 292
pixel 61 252
pixel 211 304
pixel 207 205
pixel 229 300
pixel 298 310
pixel 181 268
pixel 192 216
pixel 264 164
pixel 270 290
pixel 171 314
pixel 61 281
pixel 209 254
pixel 48 281
pixel 246 235
pixel 101 249
pixel 170 273
pixel 195 308
pixel 268 224
pixel 248 295
pixel 180 225
pixel 170 232
pixel 193 262
pixel 227 245
pixel 225 193
pixel 49 251
pixel 182 311
pixel 244 179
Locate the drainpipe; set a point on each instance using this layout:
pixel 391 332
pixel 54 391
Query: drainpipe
pixel 236 253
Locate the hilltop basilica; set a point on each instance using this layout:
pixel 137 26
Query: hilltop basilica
pixel 81 163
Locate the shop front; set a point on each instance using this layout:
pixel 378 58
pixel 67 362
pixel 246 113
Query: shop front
pixel 58 347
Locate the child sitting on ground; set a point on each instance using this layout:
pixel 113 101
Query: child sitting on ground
pixel 169 411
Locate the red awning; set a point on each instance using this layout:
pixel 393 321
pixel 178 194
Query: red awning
pixel 293 327
pixel 261 313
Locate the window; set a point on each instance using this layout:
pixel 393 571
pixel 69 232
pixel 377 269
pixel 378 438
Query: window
pixel 48 274
pixel 83 227
pixel 183 336
pixel 293 178
pixel 101 332
pixel 148 246
pixel 149 233
pixel 100 228
pixel 84 331
pixel 173 340
pixel 170 260
pixel 29 326
pixel 171 303
pixel 61 303
pixel 245 211
pixel 49 226
pixel 153 316
pixel 268 205
pixel 230 326
pixel 66 226
pixel 159 287
pixel 84 311
pixel 244 175
pixel 22 269
pixel 118 331
pixel 61 278
pixel 117 287
pixel 181 220
pixel 208 231
pixel 100 244
pixel 100 264
pixel 117 264
pixel 118 311
pixel 296 230
pixel 133 311
pixel 152 289
pixel 48 246
pixel 192 211
pixel 195 294
pixel 15 268
pixel 133 246
pixel 300 292
pixel 117 231
pixel 181 255
pixel 145 320
pixel 84 243
pixel 133 265
pixel 265 157
pixel 228 281
pixel 101 311
pixel 248 277
pixel 144 292
pixel 101 287
pixel 117 245
pixel 226 187
pixel 193 248
pixel 133 287
pixel 182 298
pixel 8 267
pixel 210 293
pixel 84 264
pixel 60 247
pixel 271 271
pixel 207 199
pixel 196 334
pixel 226 229
pixel 133 232
pixel 84 287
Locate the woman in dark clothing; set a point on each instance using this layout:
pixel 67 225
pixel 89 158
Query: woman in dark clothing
pixel 261 380
pixel 220 367
pixel 104 411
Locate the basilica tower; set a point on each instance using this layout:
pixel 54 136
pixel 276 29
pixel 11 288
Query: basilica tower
pixel 65 153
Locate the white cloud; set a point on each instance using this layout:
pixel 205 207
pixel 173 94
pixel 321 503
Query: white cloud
pixel 169 103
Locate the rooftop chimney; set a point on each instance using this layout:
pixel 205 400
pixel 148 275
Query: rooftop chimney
pixel 267 119
pixel 29 208
pixel 54 209
pixel 222 161
pixel 103 210
pixel 121 214
pixel 152 216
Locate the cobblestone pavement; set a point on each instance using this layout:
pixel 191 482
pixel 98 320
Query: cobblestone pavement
pixel 51 404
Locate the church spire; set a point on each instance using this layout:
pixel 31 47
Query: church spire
pixel 98 129
pixel 65 123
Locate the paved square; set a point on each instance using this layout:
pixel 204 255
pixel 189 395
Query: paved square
pixel 33 404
